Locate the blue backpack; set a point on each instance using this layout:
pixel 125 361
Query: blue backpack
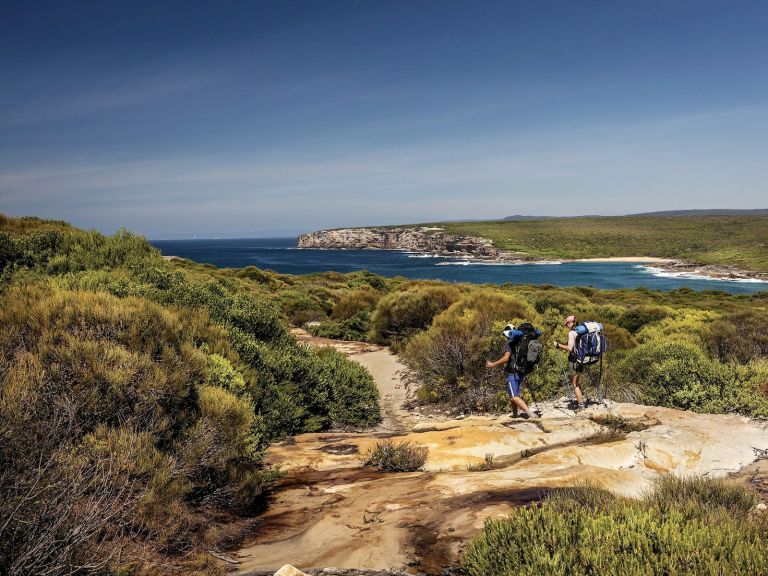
pixel 590 343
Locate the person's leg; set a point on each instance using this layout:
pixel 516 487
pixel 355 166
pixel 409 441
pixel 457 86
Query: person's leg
pixel 513 388
pixel 522 405
pixel 574 370
pixel 577 390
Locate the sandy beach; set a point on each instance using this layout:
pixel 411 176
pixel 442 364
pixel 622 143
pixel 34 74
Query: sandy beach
pixel 638 259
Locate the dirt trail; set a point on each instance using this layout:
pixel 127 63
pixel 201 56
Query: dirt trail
pixel 331 511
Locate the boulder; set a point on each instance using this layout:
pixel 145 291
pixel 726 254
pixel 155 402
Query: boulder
pixel 289 570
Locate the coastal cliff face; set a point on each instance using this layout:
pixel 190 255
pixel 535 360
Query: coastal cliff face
pixel 429 240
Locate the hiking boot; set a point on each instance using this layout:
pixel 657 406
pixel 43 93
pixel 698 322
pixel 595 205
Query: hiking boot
pixel 579 408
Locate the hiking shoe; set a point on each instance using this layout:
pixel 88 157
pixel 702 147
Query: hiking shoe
pixel 579 408
pixel 525 416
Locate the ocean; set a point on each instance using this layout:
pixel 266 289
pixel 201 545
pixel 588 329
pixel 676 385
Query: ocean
pixel 282 255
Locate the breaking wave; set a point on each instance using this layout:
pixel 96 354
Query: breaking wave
pixel 662 273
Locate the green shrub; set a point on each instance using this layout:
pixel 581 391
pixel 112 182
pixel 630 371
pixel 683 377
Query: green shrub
pixel 696 496
pixel 744 391
pixel 300 307
pixel 589 532
pixel 253 273
pixel 354 303
pixel 388 456
pixel 222 374
pixel 739 337
pixel 685 324
pixel 561 300
pixel 355 328
pixel 674 373
pixel 618 338
pixel 401 314
pixel 109 428
pixel 637 317
pixel 222 443
pixel 354 395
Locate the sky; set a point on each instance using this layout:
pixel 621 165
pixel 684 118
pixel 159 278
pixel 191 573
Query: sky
pixel 260 118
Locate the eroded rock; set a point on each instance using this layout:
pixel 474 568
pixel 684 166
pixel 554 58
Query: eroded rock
pixel 334 512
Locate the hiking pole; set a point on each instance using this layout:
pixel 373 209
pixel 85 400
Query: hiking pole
pixel 566 381
pixel 533 397
pixel 600 387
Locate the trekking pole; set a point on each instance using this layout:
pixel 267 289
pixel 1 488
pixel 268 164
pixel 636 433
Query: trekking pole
pixel 600 387
pixel 533 397
pixel 566 381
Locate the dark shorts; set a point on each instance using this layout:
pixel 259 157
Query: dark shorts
pixel 514 381
pixel 575 368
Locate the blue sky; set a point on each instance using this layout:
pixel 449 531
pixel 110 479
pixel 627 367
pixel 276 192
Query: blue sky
pixel 260 118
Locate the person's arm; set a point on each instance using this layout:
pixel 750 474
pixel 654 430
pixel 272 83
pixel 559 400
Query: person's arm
pixel 571 342
pixel 503 360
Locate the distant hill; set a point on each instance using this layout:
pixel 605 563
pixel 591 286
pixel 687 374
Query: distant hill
pixel 714 237
pixel 709 212
pixel 712 212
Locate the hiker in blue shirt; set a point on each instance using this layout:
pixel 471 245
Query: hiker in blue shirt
pixel 513 376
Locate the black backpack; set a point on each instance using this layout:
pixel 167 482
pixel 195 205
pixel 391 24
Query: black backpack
pixel 526 352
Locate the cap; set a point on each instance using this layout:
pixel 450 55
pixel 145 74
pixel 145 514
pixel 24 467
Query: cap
pixel 507 329
pixel 569 319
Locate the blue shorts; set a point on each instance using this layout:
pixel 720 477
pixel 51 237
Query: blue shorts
pixel 514 381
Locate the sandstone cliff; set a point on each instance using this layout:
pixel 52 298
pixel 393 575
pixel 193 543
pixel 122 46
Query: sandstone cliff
pixel 423 239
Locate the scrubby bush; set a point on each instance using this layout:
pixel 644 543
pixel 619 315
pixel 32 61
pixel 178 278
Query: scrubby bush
pixel 401 314
pixel 108 428
pixel 739 337
pixel 300 307
pixel 223 374
pixel 561 300
pixel 355 328
pixel 389 456
pixel 484 466
pixel 222 446
pixel 354 303
pixel 684 324
pixel 599 534
pixel 253 273
pixel 303 389
pixel 674 373
pixel 696 496
pixel 618 338
pixel 637 317
pixel 354 396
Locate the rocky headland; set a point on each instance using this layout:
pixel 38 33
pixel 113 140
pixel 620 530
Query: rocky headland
pixel 426 240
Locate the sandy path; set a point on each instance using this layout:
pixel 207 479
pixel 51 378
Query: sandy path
pixel 388 372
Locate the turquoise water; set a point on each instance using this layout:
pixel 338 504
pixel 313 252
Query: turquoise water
pixel 282 255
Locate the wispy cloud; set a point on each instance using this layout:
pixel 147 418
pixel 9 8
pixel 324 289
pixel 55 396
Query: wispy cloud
pixel 98 94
